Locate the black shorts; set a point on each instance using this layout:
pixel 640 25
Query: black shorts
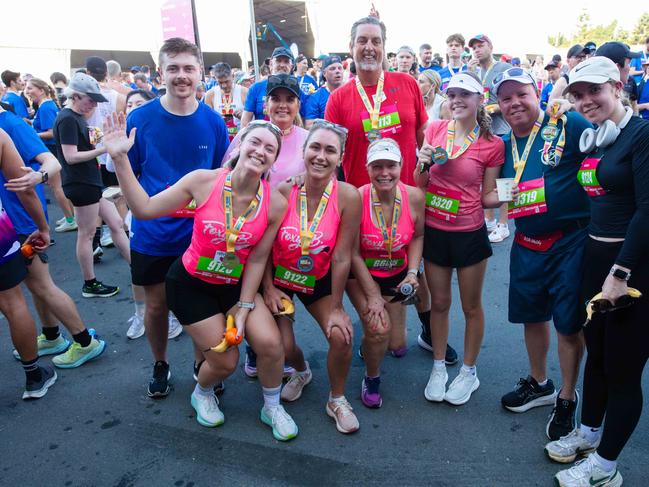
pixel 148 270
pixel 456 249
pixel 193 300
pixel 12 272
pixel 82 194
pixel 388 284
pixel 41 255
pixel 107 177
pixel 321 290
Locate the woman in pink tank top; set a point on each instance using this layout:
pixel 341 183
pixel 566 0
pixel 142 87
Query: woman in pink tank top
pixel 235 223
pixel 386 261
pixel 311 259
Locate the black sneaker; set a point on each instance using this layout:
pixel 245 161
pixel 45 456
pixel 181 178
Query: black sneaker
pixel 37 389
pixel 159 383
pixel 529 394
pixel 425 341
pixel 98 290
pixel 562 420
pixel 219 388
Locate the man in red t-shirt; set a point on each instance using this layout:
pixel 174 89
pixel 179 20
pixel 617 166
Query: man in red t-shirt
pixel 401 113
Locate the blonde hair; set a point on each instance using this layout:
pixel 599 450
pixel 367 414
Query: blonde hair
pixel 44 86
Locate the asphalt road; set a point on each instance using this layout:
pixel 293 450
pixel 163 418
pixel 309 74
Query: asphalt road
pixel 97 427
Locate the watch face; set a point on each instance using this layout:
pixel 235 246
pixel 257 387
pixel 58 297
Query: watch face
pixel 620 274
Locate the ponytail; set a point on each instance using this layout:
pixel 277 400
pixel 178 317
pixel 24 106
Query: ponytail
pixel 484 120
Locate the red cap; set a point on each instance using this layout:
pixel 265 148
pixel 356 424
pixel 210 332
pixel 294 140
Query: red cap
pixel 479 38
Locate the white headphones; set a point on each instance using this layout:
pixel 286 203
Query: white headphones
pixel 605 134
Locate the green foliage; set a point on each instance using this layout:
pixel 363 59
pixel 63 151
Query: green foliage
pixel 641 30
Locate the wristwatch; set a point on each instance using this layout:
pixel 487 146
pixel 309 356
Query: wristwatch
pixel 620 274
pixel 44 176
pixel 246 305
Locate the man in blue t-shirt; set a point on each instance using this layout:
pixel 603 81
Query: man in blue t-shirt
pixel 175 135
pixel 332 72
pixel 554 73
pixel 546 261
pixel 636 67
pixel 15 85
pixel 454 49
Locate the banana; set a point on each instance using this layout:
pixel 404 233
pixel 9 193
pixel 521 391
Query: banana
pixel 289 307
pixel 632 292
pixel 223 346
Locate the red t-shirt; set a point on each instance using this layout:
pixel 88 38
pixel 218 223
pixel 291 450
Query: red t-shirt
pixel 453 195
pixel 402 113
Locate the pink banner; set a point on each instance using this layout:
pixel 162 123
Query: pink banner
pixel 177 20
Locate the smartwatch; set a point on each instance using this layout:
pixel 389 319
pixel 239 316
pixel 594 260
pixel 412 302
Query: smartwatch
pixel 620 274
pixel 44 176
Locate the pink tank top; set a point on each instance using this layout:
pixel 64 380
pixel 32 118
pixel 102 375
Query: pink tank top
pixel 373 247
pixel 287 250
pixel 203 258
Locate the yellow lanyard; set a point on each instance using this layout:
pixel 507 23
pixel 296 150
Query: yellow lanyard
pixel 468 140
pixel 376 109
pixel 307 231
pixel 388 238
pixel 519 164
pixel 232 231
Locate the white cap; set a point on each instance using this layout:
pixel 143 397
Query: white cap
pixel 466 82
pixel 383 150
pixel 596 70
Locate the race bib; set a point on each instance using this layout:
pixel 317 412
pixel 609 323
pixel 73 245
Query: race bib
pixel 587 177
pixel 530 201
pixel 442 203
pixel 295 281
pixel 383 264
pixel 231 125
pixel 389 121
pixel 215 270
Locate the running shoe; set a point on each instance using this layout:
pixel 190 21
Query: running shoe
pixel 159 383
pixel 529 394
pixel 60 221
pixel 567 448
pixel 562 419
pixel 250 366
pixel 587 473
pixel 399 352
pixel 207 410
pixel 77 355
pixel 37 389
pixel 424 340
pixel 292 391
pixel 490 224
pixel 66 226
pixel 370 395
pixel 436 387
pixel 98 290
pixel 284 428
pixel 106 240
pixel 460 390
pixel 175 328
pixel 288 372
pixel 343 414
pixel 48 347
pixel 219 387
pixel 500 233
pixel 136 327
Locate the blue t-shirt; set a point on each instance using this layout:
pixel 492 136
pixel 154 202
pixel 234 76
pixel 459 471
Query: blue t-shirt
pixel 644 98
pixel 44 119
pixel 307 84
pixel 447 73
pixel 29 146
pixel 434 67
pixel 566 199
pixel 545 95
pixel 256 100
pixel 18 104
pixel 167 147
pixel 316 104
pixel 636 64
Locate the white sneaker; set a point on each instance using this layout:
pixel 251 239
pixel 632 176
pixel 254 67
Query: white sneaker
pixel 284 428
pixel 292 391
pixel 500 233
pixel 106 240
pixel 59 222
pixel 460 390
pixel 66 226
pixel 207 410
pixel 567 448
pixel 587 473
pixel 436 387
pixel 175 328
pixel 491 224
pixel 136 330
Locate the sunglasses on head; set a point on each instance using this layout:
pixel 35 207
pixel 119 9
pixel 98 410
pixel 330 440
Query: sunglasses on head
pixel 288 81
pixel 265 124
pixel 322 123
pixel 512 73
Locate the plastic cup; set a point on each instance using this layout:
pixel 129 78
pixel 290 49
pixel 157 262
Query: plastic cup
pixel 504 187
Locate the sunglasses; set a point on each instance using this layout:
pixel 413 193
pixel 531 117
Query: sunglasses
pixel 513 73
pixel 404 299
pixel 286 80
pixel 606 306
pixel 322 123
pixel 265 124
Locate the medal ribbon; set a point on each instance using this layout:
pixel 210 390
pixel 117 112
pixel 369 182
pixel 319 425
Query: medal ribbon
pixel 372 110
pixel 227 103
pixel 388 239
pixel 558 149
pixel 232 231
pixel 468 140
pixel 519 164
pixel 306 231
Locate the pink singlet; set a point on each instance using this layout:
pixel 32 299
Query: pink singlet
pixel 373 248
pixel 203 258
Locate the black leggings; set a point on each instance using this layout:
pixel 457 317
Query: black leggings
pixel 618 348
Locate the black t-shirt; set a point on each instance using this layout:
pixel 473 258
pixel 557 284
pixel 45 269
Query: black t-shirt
pixel 623 211
pixel 70 128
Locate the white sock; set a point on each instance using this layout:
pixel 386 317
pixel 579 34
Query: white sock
pixel 469 369
pixel 271 396
pixel 203 391
pixel 335 399
pixel 139 309
pixel 439 363
pixel 607 465
pixel 591 434
pixel 543 384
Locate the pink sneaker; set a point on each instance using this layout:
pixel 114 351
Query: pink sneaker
pixel 370 395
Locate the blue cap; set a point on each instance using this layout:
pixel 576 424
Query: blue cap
pixel 282 51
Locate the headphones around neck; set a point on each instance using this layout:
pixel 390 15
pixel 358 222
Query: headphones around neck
pixel 604 135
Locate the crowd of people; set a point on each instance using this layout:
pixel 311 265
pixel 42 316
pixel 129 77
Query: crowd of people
pixel 377 176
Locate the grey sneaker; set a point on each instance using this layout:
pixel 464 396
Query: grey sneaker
pixel 567 448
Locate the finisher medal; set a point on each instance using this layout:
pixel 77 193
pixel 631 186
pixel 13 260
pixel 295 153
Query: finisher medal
pixel 549 133
pixel 440 156
pixel 373 135
pixel 305 263
pixel 230 260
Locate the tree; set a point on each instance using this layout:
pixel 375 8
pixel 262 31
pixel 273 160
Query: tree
pixel 641 30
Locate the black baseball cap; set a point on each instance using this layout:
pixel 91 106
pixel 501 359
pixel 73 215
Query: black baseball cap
pixel 282 51
pixel 329 60
pixel 283 80
pixel 591 46
pixel 96 65
pixel 576 50
pixel 551 65
pixel 617 52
